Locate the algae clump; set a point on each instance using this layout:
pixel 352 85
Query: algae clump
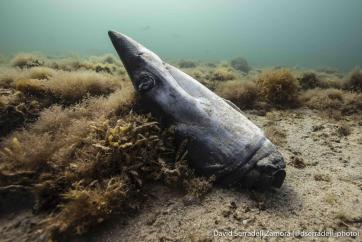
pixel 278 87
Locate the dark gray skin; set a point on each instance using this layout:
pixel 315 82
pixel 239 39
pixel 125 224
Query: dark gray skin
pixel 221 141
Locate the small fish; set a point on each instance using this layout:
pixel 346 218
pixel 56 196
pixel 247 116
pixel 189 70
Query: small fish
pixel 176 35
pixel 145 28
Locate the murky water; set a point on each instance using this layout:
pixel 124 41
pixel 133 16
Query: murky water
pixel 310 33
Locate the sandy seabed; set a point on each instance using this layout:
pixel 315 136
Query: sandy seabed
pixel 319 135
pixel 323 194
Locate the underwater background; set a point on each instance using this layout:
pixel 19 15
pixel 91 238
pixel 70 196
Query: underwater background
pixel 318 33
pixel 83 159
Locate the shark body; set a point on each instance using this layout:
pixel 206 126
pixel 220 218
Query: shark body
pixel 222 142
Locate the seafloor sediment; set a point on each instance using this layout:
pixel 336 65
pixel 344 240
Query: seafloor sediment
pixel 81 159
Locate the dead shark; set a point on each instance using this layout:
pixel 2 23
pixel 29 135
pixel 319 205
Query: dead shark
pixel 222 142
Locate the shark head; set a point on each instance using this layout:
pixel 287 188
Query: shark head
pixel 195 111
pixel 144 67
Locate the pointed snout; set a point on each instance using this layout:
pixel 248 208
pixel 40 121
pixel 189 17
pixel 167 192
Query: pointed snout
pixel 127 49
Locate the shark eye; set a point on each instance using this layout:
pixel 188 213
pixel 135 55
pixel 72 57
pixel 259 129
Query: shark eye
pixel 145 82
